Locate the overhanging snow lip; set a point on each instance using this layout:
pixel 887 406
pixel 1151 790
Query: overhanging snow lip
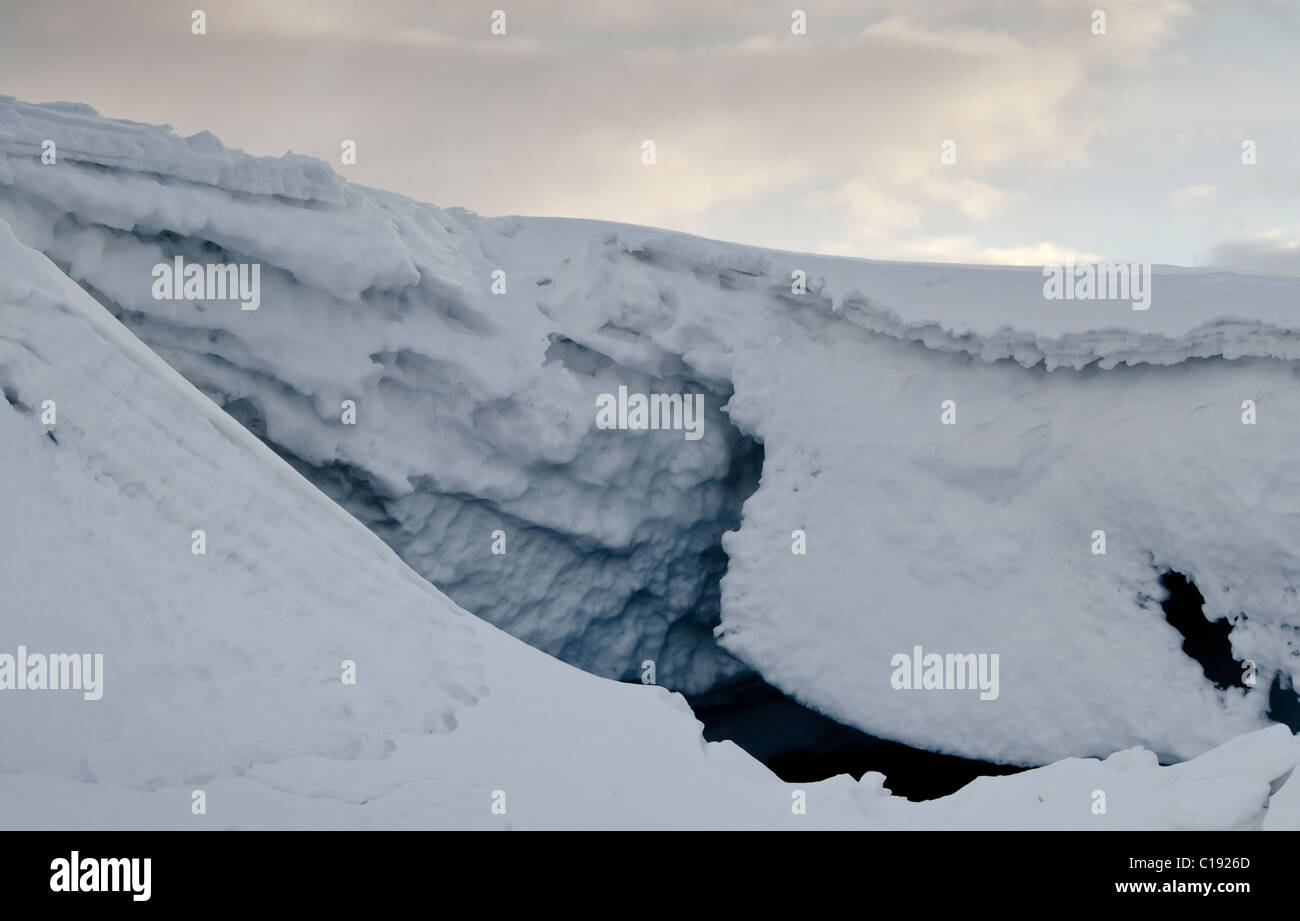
pixel 1107 347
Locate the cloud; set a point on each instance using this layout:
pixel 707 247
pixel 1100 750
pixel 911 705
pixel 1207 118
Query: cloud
pixel 1274 252
pixel 1191 194
pixel 967 250
pixel 1133 30
pixel 762 136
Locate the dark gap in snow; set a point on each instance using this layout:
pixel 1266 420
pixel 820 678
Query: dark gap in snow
pixel 800 745
pixel 1284 703
pixel 1206 641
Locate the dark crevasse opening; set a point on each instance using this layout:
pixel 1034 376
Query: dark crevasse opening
pixel 1207 641
pixel 801 745
pixel 1284 703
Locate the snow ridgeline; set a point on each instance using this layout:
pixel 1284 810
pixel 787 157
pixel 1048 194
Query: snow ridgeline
pixel 222 670
pixel 476 414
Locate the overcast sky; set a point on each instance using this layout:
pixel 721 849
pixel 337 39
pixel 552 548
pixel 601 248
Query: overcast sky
pixel 1123 146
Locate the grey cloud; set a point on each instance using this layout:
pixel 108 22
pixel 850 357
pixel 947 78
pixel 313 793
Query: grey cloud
pixel 1270 253
pixel 763 137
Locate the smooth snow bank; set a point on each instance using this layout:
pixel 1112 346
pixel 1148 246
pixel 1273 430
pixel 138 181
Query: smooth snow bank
pixel 476 413
pixel 222 671
pixel 212 662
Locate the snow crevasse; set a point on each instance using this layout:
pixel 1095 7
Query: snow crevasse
pixel 476 412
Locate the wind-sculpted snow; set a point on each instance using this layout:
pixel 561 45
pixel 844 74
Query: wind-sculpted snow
pixel 1221 337
pixel 471 421
pixel 221 670
pixel 85 138
pixel 476 414
pixel 1001 313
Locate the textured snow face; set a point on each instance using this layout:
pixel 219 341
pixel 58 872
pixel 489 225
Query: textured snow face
pixel 223 669
pixel 476 413
pixel 474 416
pixel 977 537
pixel 220 669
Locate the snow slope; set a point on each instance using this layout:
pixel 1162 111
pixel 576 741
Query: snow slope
pixel 476 413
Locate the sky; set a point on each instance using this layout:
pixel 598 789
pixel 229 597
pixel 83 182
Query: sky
pixel 1119 146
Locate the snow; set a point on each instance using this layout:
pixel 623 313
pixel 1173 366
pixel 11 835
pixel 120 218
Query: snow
pixel 99 560
pixel 476 412
pixel 81 135
pixel 1284 806
pixel 221 669
pixel 996 313
pixel 976 538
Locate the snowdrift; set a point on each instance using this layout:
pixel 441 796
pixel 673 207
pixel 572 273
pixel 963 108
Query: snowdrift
pixel 475 351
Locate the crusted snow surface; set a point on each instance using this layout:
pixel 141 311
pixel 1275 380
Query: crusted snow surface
pixel 476 412
pixel 222 670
